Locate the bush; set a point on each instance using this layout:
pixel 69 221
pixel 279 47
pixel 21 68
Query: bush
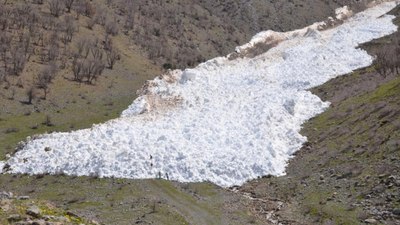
pixel 11 130
pixel 167 66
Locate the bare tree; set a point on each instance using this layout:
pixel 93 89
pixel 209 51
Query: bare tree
pixel 68 4
pixel 5 15
pixel 101 15
pixel 112 57
pixel 111 27
pixel 77 69
pixel 89 9
pixel 18 61
pixel 53 52
pixel 42 82
pixel 82 47
pixel 45 77
pixel 26 42
pixel 98 68
pixel 40 38
pixel 79 8
pixel 87 69
pixel 129 21
pixel 382 61
pixel 5 42
pixel 56 7
pixel 31 94
pixel 92 69
pixel 39 2
pixel 68 28
pixel 97 53
pixel 86 48
pixel 3 76
pixel 90 23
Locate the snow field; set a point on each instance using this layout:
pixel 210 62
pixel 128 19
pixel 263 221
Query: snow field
pixel 223 121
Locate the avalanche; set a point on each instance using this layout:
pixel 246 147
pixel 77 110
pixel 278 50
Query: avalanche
pixel 225 121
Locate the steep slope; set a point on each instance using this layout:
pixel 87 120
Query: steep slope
pixel 103 198
pixel 148 35
pixel 348 171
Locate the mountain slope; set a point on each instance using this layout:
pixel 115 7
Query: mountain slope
pixel 148 36
pixel 181 112
pixel 102 199
pixel 347 172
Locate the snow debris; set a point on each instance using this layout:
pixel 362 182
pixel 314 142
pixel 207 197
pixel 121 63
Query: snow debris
pixel 343 13
pixel 225 121
pixel 2 164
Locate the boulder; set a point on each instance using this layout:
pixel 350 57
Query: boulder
pixel 371 221
pixel 33 211
pixel 187 75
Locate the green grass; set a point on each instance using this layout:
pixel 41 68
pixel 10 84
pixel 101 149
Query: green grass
pixel 20 207
pixel 169 189
pixel 71 118
pixel 121 200
pixel 322 210
pixel 385 91
pixel 331 122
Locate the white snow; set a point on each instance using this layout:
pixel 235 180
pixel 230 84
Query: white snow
pixel 223 121
pixel 2 164
pixel 343 13
pixel 273 37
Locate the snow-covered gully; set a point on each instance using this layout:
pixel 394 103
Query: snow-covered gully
pixel 225 121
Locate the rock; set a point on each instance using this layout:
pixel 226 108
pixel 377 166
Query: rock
pixel 33 211
pixel 5 207
pixel 23 223
pixel 60 218
pixel 69 213
pixel 381 176
pixel 321 177
pixel 94 222
pixel 47 217
pixel 396 211
pixel 38 222
pixel 23 197
pixel 371 221
pixel 14 218
pixel 6 195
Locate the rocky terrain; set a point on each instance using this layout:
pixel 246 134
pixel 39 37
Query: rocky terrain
pixel 22 210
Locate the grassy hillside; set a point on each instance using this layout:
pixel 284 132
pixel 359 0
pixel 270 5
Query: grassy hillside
pixel 348 171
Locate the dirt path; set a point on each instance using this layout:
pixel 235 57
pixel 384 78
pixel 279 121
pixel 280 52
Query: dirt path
pixel 185 204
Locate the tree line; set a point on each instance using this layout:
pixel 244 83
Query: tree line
pixel 44 32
